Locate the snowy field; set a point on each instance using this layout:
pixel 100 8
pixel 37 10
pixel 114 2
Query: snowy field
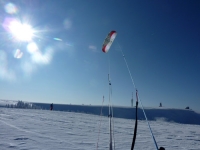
pixel 26 129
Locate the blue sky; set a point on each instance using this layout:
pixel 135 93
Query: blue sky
pixel 160 40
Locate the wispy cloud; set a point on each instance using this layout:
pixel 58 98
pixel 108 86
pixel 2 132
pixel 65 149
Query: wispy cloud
pixel 93 48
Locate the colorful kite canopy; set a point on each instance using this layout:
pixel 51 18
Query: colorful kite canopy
pixel 108 41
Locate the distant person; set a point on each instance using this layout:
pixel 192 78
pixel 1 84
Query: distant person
pixel 51 106
pixel 160 105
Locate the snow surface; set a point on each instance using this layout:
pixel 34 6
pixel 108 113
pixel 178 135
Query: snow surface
pixel 27 129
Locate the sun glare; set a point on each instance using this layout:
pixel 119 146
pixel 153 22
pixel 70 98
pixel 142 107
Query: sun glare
pixel 22 32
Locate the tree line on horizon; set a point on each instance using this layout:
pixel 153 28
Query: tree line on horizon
pixel 23 105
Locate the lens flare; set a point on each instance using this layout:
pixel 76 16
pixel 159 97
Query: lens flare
pixel 67 23
pixel 32 47
pixel 57 39
pixel 18 54
pixel 10 8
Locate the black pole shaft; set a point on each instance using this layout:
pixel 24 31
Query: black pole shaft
pixel 135 130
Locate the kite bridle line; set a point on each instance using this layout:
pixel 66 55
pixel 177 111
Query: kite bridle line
pixel 139 100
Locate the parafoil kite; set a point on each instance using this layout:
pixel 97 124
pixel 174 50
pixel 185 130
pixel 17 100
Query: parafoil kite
pixel 108 41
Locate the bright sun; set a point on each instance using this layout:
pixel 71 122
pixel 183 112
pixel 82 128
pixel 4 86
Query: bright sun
pixel 22 32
